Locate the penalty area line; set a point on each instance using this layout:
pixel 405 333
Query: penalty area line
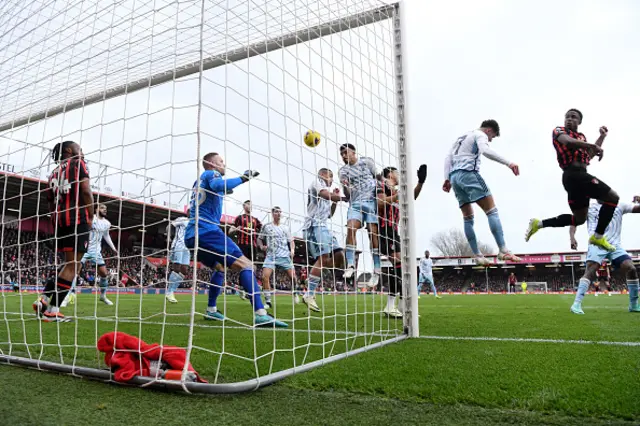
pixel 531 340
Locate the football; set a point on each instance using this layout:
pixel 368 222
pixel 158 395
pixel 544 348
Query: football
pixel 312 139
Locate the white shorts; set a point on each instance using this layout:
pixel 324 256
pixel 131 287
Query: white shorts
pixel 95 258
pixel 270 262
pixel 598 255
pixel 425 279
pixel 180 256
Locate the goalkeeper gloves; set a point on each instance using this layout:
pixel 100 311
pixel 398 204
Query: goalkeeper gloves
pixel 422 173
pixel 249 174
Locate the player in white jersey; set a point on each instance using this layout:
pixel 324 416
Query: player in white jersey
pixel 280 251
pixel 426 274
pixel 179 259
pixel 322 246
pixel 99 232
pixel 358 179
pixel 462 173
pixel 619 258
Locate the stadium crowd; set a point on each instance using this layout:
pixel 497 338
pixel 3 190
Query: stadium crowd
pixel 30 263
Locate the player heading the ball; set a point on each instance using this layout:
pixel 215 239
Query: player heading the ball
pixel 216 249
pixel 462 173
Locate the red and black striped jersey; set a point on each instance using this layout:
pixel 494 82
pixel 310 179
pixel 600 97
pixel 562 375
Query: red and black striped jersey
pixel 64 193
pixel 248 229
pixel 512 279
pixel 390 214
pixel 567 155
pixel 603 271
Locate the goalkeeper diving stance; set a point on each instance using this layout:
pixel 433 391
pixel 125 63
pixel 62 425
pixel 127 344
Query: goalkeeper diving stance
pixel 215 249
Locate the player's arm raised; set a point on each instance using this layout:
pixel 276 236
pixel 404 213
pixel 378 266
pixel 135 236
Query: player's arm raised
pixel 483 146
pixel 332 196
pixel 422 177
pixel 218 184
pixel 574 143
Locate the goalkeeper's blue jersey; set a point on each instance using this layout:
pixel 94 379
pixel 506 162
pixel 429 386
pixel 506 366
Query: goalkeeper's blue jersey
pixel 208 201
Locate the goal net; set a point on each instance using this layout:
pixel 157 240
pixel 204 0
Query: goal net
pixel 535 287
pixel 147 89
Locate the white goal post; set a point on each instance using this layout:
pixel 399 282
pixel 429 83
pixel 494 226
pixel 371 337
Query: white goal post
pixel 147 88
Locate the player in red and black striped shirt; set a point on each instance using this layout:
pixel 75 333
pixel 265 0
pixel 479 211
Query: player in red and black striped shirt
pixel 71 207
pixel 574 155
pixel 248 228
pixel 387 197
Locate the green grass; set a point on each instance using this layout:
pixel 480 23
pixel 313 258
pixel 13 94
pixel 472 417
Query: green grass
pixel 420 381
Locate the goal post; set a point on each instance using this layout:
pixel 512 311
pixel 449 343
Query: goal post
pixel 535 287
pixel 148 88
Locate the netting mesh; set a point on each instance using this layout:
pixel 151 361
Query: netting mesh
pixel 322 65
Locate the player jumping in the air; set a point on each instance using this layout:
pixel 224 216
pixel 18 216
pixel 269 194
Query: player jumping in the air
pixel 462 173
pixel 358 179
pixel 280 252
pixel 71 206
pixel 574 155
pixel 322 245
pixel 603 275
pixel 426 274
pixel 180 258
pixel 619 258
pixel 215 247
pixel 99 231
pixel 387 199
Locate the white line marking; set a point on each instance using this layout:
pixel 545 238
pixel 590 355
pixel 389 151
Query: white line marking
pixel 531 340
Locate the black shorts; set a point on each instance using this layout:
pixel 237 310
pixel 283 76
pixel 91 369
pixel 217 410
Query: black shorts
pixel 582 187
pixel 250 252
pixel 73 239
pixel 389 241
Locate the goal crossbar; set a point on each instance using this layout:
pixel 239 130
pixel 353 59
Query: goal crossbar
pixel 259 48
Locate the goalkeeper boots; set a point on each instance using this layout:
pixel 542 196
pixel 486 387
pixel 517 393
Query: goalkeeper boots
pixel 269 321
pixel 576 308
pixel 602 243
pixel 214 316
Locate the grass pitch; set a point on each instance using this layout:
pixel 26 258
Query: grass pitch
pixel 516 359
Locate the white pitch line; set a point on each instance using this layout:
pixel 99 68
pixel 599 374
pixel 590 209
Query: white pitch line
pixel 531 340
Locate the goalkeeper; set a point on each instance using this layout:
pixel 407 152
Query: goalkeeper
pixel 215 248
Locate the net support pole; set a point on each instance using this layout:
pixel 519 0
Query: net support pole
pixel 301 36
pixel 409 271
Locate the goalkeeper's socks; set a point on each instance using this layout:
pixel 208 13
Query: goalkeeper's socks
pixel 217 280
pixel 632 286
pixel 249 283
pixel 314 282
pixel 583 286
